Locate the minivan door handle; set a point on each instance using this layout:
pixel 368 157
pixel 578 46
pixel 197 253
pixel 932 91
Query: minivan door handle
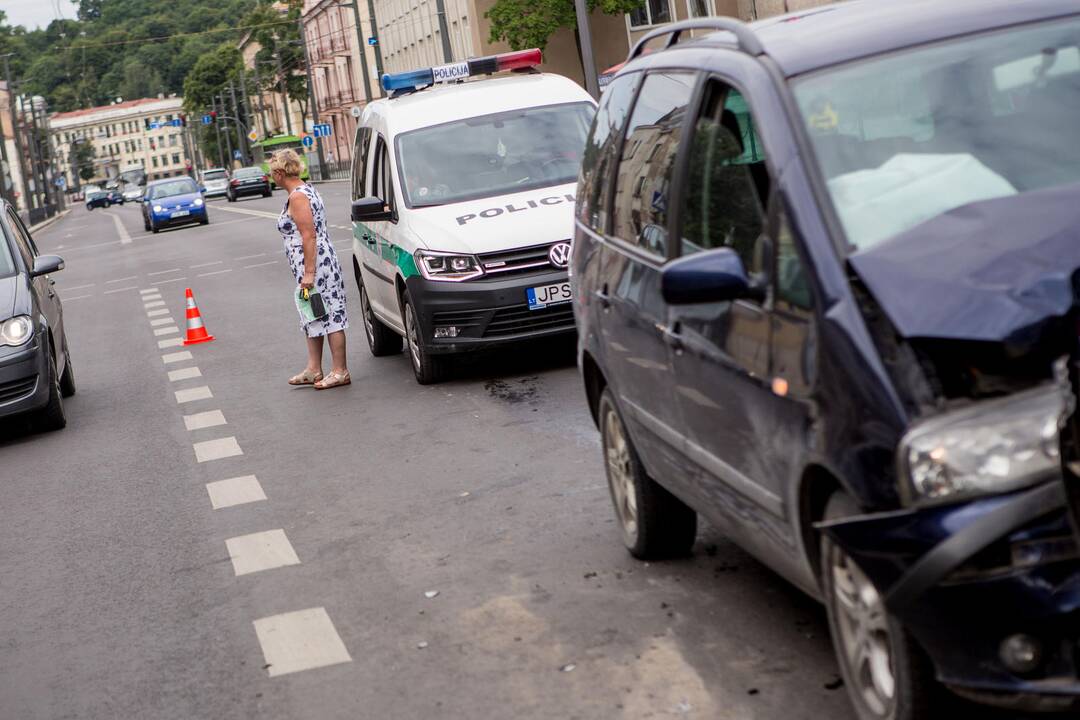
pixel 672 335
pixel 602 297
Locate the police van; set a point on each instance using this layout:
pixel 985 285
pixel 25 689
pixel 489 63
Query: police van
pixel 463 192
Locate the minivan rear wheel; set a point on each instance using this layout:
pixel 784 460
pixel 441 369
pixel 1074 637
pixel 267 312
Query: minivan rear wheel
pixel 887 675
pixel 654 523
pixel 382 341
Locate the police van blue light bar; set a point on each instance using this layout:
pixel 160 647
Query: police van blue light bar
pixel 459 71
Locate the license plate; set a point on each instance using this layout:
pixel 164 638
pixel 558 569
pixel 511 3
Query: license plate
pixel 180 213
pixel 541 297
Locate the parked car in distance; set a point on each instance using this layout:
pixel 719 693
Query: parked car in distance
pixel 171 202
pixel 216 182
pixel 103 199
pixel 825 281
pixel 36 373
pixel 134 193
pixel 248 181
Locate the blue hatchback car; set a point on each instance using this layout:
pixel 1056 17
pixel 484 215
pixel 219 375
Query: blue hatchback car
pixel 176 201
pixel 826 277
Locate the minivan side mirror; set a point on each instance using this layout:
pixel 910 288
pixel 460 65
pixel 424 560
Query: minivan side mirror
pixel 45 264
pixel 370 209
pixel 710 276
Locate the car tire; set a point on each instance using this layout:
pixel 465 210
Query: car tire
pixel 654 523
pixel 106 204
pixel 267 194
pixel 230 198
pixel 205 220
pixel 154 228
pixel 892 658
pixel 146 225
pixel 67 379
pixel 382 341
pixel 52 416
pixel 429 369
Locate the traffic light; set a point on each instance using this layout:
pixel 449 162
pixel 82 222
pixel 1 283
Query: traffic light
pixel 213 116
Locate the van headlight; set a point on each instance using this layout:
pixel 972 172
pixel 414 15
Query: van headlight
pixel 990 447
pixel 448 267
pixel 16 331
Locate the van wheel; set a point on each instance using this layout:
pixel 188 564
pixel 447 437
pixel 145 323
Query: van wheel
pixel 382 341
pixel 52 416
pixel 428 368
pixel 887 675
pixel 654 523
pixel 67 380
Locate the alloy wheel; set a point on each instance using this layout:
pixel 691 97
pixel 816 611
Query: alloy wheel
pixel 864 634
pixel 620 474
pixel 365 311
pixel 414 336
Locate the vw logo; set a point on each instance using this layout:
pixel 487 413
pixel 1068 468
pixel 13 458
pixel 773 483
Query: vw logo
pixel 559 255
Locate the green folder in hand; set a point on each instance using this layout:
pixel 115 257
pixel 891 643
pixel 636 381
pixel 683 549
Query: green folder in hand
pixel 303 304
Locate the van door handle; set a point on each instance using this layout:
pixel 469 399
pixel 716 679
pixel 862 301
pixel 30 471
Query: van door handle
pixel 369 240
pixel 672 336
pixel 602 297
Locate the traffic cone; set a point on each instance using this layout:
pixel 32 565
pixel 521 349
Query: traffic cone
pixel 196 331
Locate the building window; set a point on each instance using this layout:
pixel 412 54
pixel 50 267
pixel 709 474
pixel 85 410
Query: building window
pixel 700 8
pixel 176 158
pixel 154 161
pixel 651 12
pixel 172 141
pixel 164 161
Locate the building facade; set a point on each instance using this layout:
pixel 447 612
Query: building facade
pixel 270 110
pixel 123 140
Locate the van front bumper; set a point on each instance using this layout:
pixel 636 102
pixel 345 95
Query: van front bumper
pixel 965 578
pixel 486 313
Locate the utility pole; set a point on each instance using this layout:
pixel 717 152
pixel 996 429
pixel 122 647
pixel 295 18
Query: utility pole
pixel 588 64
pixel 284 87
pixel 217 127
pixel 27 197
pixel 363 50
pixel 444 31
pixel 225 132
pixel 378 48
pixel 259 101
pixel 36 160
pixel 312 101
pixel 241 141
pixel 248 114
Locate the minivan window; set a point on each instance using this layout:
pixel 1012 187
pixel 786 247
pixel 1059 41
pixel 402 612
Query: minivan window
pixel 600 156
pixel 360 156
pixel 490 155
pixel 7 262
pixel 647 162
pixel 903 139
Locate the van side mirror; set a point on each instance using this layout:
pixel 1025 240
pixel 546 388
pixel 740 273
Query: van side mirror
pixel 45 264
pixel 370 209
pixel 711 276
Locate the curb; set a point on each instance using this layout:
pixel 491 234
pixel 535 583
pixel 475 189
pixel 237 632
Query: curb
pixel 46 223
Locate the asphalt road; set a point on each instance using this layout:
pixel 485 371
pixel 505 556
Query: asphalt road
pixel 120 595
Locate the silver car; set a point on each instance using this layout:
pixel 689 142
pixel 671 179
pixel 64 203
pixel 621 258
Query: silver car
pixel 216 182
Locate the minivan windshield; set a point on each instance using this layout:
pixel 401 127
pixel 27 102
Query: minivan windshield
pixel 905 138
pixel 173 187
pixel 491 155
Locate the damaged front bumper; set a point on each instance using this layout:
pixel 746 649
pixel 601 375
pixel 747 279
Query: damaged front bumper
pixel 976 580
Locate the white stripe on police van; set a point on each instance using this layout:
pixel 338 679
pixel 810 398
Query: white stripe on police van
pixel 261 551
pixel 184 374
pixel 176 357
pixel 217 449
pixel 300 640
pixel 192 394
pixel 235 491
pixel 198 421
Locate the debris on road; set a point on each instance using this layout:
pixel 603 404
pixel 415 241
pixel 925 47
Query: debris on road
pixel 568 667
pixel 431 593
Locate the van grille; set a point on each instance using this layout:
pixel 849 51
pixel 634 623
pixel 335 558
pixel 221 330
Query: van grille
pixel 520 261
pixel 519 318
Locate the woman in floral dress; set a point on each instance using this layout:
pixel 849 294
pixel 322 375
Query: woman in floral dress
pixel 315 266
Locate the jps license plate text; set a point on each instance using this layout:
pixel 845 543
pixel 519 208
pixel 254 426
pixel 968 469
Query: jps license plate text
pixel 540 297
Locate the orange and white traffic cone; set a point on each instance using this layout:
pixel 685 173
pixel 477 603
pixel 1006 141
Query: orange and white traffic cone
pixel 196 331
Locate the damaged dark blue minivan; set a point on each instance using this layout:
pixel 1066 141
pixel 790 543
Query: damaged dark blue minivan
pixel 826 274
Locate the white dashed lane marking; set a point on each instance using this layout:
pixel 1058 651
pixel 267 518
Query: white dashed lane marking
pixel 216 272
pixel 217 449
pixel 151 298
pixel 153 304
pixel 262 264
pixel 77 287
pixel 162 272
pixel 261 551
pixel 193 394
pixel 235 491
pixel 147 291
pixel 123 289
pixel 171 280
pixel 184 374
pixel 170 342
pixel 250 257
pixel 206 264
pixel 157 313
pixel 166 331
pixel 199 421
pixel 77 297
pixel 301 640
pixel 176 357
pixel 123 279
pixel 161 321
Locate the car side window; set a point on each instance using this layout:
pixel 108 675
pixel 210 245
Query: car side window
pixel 360 161
pixel 22 239
pixel 727 182
pixel 647 161
pixel 599 158
pixel 382 184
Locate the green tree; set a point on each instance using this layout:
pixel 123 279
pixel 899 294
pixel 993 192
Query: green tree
pixel 84 159
pixel 531 23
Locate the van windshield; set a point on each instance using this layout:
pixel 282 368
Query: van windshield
pixel 907 138
pixel 493 154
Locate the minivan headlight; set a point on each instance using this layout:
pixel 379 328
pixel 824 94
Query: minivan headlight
pixel 448 267
pixel 16 331
pixel 991 447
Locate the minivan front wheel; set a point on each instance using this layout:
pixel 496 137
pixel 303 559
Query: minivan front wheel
pixel 654 523
pixel 887 675
pixel 428 368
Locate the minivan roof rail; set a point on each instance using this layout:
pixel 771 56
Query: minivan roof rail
pixel 747 41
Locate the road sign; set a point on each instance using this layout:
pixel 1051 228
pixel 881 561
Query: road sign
pixel 237 155
pixel 322 130
pixel 207 119
pixel 308 141
pixel 155 125
pixel 372 41
pixel 253 136
pixel 177 122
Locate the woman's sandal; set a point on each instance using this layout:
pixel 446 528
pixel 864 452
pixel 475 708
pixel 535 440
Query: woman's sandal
pixel 306 378
pixel 334 379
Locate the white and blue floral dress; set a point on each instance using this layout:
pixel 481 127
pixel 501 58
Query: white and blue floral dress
pixel 329 280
